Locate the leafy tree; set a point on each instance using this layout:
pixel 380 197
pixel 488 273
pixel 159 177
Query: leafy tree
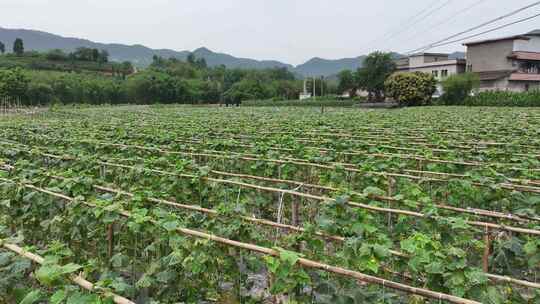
pixel 2 47
pixel 18 47
pixel 95 55
pixel 346 81
pixel 191 59
pixel 103 56
pixel 411 89
pixel 57 55
pixel 201 63
pixel 458 87
pixel 280 74
pixel 13 83
pixel 377 67
pixel 247 89
pixel 39 93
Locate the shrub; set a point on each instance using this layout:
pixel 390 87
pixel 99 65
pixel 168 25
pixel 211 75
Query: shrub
pixel 13 83
pixel 458 87
pixel 39 93
pixel 411 89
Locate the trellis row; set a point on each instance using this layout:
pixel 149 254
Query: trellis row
pixel 75 279
pixel 296 193
pixel 286 160
pixel 380 144
pixel 335 238
pixel 474 211
pixel 375 130
pixel 267 251
pixel 310 196
pixel 514 180
pixel 321 234
pixel 403 156
pixel 507 186
pixel 376 144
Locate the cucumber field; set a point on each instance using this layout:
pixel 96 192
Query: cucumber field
pixel 183 204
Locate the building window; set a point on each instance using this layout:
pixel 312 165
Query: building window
pixel 435 73
pixel 444 73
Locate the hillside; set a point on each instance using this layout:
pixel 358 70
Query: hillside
pixel 141 55
pixel 326 67
pixel 137 54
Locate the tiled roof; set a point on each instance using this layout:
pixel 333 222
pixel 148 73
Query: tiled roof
pixel 494 75
pixel 525 55
pixel 524 77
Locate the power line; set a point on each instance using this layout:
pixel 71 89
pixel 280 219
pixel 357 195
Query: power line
pixel 489 31
pixel 410 19
pixel 430 13
pixel 476 27
pixel 451 17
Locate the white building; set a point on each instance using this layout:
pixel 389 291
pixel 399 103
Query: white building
pixel 437 64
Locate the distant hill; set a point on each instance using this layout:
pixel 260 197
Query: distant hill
pixel 137 54
pixel 327 67
pixel 457 55
pixel 141 55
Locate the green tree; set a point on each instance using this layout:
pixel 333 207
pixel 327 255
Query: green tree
pixel 95 55
pixel 411 89
pixel 18 47
pixel 346 81
pixel 103 56
pixel 191 58
pixel 13 83
pixel 247 89
pixel 377 67
pixel 2 47
pixel 458 87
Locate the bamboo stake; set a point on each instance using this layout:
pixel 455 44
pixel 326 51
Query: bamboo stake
pixel 301 261
pixel 485 258
pixel 75 279
pixel 272 224
pixel 319 198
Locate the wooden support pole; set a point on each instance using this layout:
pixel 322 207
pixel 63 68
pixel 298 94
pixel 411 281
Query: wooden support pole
pixel 110 240
pixel 295 216
pixel 487 245
pixel 83 283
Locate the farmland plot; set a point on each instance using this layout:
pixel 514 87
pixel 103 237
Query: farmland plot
pixel 198 205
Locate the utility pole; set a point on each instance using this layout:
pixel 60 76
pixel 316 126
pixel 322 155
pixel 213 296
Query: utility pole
pixel 314 92
pixel 322 86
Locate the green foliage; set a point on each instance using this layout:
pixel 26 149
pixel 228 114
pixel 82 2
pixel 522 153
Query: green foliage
pixel 13 83
pixel 300 103
pixel 247 89
pixel 287 275
pixel 377 67
pixel 411 89
pixel 18 47
pixel 504 99
pixel 346 81
pixel 458 87
pixel 2 48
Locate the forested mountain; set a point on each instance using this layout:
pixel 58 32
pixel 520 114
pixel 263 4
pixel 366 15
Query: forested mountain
pixel 141 55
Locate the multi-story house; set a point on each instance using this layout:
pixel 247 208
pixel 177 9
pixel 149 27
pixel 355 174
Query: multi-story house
pixel 437 64
pixel 508 63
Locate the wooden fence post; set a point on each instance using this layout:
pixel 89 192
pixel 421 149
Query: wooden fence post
pixel 487 245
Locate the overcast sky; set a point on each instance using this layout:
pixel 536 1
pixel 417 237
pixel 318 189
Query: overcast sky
pixel 292 31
